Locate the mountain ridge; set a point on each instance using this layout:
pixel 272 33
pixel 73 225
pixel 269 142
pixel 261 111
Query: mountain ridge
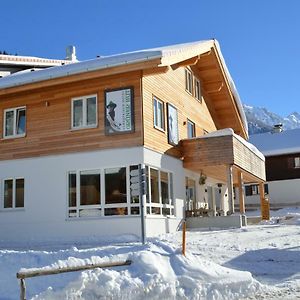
pixel 261 120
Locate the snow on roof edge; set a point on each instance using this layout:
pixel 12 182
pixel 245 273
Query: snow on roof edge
pixel 233 89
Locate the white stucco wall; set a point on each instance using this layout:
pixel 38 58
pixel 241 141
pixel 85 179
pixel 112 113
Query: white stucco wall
pixel 282 193
pixel 46 193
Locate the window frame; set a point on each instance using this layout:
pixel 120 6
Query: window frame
pixel 194 128
pixel 15 121
pixel 149 205
pixel 189 81
pixel 197 93
pixel 155 114
pixel 296 162
pixel 14 193
pixel 84 112
pixel 129 204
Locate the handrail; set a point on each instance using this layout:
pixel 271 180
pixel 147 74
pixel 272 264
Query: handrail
pixel 43 272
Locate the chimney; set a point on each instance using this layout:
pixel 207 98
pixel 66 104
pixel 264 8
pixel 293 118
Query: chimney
pixel 277 128
pixel 71 53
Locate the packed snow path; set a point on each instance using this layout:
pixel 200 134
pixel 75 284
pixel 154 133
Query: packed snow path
pixel 257 262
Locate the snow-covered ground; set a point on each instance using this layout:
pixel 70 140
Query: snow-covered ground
pixel 257 262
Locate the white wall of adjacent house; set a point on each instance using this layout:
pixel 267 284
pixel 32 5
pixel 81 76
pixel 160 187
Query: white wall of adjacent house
pixel 45 215
pixel 282 193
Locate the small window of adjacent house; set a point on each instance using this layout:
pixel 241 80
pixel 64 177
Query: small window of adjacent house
pixel 15 122
pixel 158 114
pixel 84 112
pixel 197 89
pixel 297 162
pixel 13 193
pixel 191 131
pixel 189 81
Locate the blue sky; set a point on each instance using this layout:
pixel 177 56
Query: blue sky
pixel 259 38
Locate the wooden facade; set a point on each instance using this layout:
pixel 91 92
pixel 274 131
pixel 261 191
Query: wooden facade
pixel 212 156
pixel 48 118
pixel 281 167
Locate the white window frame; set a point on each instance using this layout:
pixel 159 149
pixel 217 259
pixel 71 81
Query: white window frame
pixel 160 205
pixel 194 128
pixel 84 112
pixel 296 162
pixel 15 129
pixel 14 179
pixel 155 114
pixel 188 81
pixel 102 205
pixel 197 91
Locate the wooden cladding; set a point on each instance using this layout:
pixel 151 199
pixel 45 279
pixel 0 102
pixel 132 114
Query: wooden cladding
pixel 169 87
pixel 214 153
pixel 48 124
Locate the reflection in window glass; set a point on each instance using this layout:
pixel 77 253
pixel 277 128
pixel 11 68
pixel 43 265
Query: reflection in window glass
pixel 164 182
pixel 72 189
pixel 8 193
pixel 9 123
pixel 20 192
pixel 154 186
pixel 115 186
pixel 113 211
pixel 89 188
pixel 21 121
pixel 91 111
pixel 77 113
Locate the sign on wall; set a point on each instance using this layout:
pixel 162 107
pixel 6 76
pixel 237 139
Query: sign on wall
pixel 119 116
pixel 173 137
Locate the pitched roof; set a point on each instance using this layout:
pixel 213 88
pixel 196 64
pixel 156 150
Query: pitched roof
pixel 168 55
pixel 271 144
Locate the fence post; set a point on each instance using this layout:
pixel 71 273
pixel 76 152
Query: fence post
pixel 183 237
pixel 23 289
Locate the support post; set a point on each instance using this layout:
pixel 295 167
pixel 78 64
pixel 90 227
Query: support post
pixel 23 289
pixel 241 193
pixel 264 203
pixel 230 187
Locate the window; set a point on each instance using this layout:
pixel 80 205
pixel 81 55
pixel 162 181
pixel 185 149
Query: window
pixel 15 122
pixel 84 194
pixel 190 187
pixel 253 189
pixel 296 162
pixel 197 89
pixel 104 192
pixel 13 193
pixel 189 81
pixel 160 192
pixel 84 112
pixel 191 132
pixel 158 114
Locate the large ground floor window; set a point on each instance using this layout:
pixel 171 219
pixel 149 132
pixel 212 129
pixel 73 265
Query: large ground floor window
pixel 107 192
pixel 160 200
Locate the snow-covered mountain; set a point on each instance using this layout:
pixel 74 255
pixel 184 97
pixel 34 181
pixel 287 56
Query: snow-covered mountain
pixel 262 120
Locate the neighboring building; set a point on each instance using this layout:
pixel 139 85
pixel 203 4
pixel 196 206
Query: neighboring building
pixel 282 152
pixel 73 134
pixel 10 64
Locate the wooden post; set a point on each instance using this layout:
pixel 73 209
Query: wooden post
pixel 183 237
pixel 23 289
pixel 230 187
pixel 241 192
pixel 264 203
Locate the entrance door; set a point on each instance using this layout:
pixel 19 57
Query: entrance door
pixel 190 186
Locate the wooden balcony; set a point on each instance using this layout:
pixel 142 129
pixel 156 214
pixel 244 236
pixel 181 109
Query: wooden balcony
pixel 213 155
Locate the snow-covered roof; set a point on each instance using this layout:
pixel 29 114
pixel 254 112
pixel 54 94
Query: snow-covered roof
pixel 168 55
pixel 16 60
pixel 270 144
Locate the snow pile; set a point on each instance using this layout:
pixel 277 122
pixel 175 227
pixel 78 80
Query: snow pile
pixel 256 262
pixel 158 272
